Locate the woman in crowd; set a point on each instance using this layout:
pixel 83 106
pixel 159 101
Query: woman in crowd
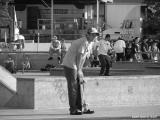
pixel 154 52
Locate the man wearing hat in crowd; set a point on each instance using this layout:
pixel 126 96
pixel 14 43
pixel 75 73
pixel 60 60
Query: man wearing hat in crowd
pixel 73 63
pixel 55 48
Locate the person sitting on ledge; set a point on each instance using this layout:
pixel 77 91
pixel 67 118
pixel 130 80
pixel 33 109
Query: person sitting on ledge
pixel 10 64
pixel 55 48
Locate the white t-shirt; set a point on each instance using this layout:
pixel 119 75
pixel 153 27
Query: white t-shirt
pixel 78 46
pixel 55 44
pixel 119 46
pixel 103 47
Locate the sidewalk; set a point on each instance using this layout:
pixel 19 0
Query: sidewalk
pixel 112 113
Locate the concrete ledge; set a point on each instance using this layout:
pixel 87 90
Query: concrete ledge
pixel 95 71
pixel 8 86
pixel 119 68
pixel 51 92
pixel 24 98
pixel 101 91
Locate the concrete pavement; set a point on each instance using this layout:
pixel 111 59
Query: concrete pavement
pixel 110 113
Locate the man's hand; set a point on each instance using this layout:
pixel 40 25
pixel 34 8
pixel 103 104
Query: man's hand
pixel 80 76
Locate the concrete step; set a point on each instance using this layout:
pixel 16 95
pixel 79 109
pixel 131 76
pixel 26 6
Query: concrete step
pixel 118 68
pixel 40 60
pixel 8 86
pixel 47 92
pixel 95 71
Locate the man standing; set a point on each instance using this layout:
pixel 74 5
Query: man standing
pixel 73 63
pixel 103 49
pixel 119 48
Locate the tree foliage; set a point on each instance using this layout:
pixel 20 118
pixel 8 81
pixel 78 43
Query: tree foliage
pixel 151 23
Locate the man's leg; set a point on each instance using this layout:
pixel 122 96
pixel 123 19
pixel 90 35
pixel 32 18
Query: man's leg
pixel 71 76
pixel 50 54
pixel 103 64
pixel 108 65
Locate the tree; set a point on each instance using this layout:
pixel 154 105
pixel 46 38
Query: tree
pixel 151 23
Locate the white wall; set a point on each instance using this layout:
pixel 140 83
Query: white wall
pixel 115 14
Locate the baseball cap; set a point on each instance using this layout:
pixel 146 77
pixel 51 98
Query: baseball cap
pixel 93 31
pixel 54 38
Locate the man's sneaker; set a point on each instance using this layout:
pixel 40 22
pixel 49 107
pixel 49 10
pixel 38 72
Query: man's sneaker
pixel 76 112
pixel 50 58
pixel 88 111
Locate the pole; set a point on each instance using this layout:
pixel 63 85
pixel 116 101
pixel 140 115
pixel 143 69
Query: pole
pixel 106 24
pixel 5 37
pixel 52 23
pixel 38 41
pixel 97 14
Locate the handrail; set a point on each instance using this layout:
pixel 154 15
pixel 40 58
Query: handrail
pixel 47 52
pixel 23 51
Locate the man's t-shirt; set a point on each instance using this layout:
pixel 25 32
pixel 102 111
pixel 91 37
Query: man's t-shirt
pixel 119 46
pixel 78 46
pixel 103 47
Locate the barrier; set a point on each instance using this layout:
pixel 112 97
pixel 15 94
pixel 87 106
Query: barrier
pixel 113 91
pixel 8 86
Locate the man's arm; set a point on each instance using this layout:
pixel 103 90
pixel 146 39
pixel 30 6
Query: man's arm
pixel 79 62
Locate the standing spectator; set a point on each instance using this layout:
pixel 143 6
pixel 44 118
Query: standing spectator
pixel 73 63
pixel 144 49
pixel 63 49
pixel 137 49
pixel 119 47
pixel 154 52
pixel 105 60
pixel 129 52
pixel 158 44
pixel 55 49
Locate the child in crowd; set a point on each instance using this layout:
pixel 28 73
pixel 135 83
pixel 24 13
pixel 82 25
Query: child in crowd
pixel 129 52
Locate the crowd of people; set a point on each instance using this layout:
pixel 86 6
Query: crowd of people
pixel 138 50
pixel 105 51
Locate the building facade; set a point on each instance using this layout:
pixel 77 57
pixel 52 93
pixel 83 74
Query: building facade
pixel 68 19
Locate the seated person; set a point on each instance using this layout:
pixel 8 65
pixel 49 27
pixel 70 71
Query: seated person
pixel 10 64
pixel 26 63
pixel 94 61
pixel 55 48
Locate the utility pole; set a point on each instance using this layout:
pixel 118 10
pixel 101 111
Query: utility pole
pixel 52 16
pixel 97 25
